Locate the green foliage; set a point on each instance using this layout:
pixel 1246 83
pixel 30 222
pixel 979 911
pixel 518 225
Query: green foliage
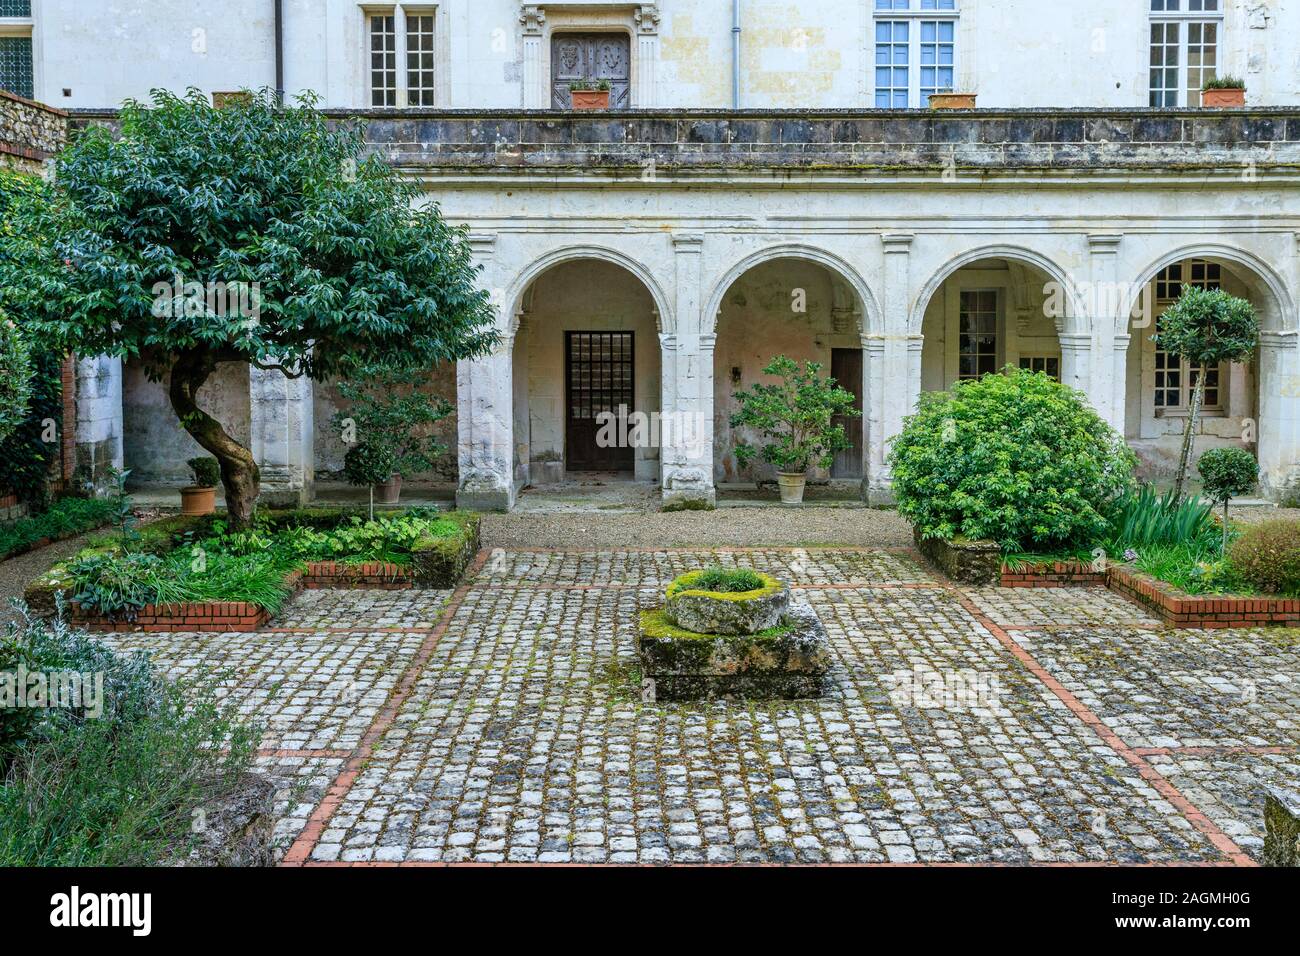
pixel 65 518
pixel 369 464
pixel 1268 556
pixel 795 415
pixel 15 377
pixel 1145 519
pixel 1016 458
pixel 727 580
pixel 388 410
pixel 119 789
pixel 1196 567
pixel 26 456
pixel 1208 326
pixel 207 472
pixel 116 585
pixel 1228 473
pixel 1224 83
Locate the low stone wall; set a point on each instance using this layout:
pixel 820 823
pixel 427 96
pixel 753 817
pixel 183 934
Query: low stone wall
pixel 376 575
pixel 1061 574
pixel 977 563
pixel 1209 611
pixel 221 616
pixel 30 132
pixel 1281 828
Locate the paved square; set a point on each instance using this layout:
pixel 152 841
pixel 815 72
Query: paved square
pixel 504 722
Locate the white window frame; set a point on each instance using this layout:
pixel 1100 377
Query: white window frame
pixel 1182 18
pixel 401 13
pixel 26 27
pixel 1186 374
pixel 914 17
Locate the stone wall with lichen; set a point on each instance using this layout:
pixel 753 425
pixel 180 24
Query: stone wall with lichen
pixel 30 133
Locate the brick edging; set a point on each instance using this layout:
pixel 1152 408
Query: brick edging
pixel 1059 574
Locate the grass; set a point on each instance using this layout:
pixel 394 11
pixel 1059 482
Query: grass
pixel 65 518
pixel 1195 568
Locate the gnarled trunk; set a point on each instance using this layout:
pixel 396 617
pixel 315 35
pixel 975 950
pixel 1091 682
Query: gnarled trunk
pixel 240 476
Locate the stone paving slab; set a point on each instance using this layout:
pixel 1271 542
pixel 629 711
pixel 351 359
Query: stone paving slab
pixel 1059 607
pixel 303 781
pixel 317 691
pixel 1179 687
pixel 327 608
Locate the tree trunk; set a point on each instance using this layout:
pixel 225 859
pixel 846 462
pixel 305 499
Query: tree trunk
pixel 1223 552
pixel 1189 430
pixel 240 476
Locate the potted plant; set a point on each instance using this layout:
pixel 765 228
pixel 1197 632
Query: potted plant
pixel 948 100
pixel 797 417
pixel 589 95
pixel 387 409
pixel 368 464
pixel 1223 91
pixel 200 498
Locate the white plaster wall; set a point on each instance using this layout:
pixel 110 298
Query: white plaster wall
pixel 809 54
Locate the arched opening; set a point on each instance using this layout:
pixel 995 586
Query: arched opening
pixel 1158 386
pixel 805 310
pixel 586 377
pixel 988 313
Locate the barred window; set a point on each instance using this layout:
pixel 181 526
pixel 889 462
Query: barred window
pixel 16 71
pixel 1173 383
pixel 1049 365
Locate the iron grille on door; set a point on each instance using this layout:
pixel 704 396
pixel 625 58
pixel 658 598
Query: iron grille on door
pixel 591 57
pixel 598 369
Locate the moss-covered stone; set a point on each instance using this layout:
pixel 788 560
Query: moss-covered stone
pixel 967 562
pixel 441 562
pixel 726 612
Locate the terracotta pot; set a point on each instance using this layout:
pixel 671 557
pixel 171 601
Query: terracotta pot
pixel 590 99
pixel 952 101
pixel 198 501
pixel 1217 99
pixel 390 491
pixel 792 486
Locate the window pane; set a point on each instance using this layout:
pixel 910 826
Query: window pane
pixel 892 55
pixel 383 61
pixel 419 55
pixel 16 65
pixel 15 8
pixel 978 338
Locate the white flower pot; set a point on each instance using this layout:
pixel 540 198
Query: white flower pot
pixel 791 485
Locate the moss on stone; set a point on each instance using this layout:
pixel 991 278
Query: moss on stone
pixel 684 585
pixel 657 625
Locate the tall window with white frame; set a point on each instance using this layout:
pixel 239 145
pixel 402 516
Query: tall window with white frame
pixel 915 51
pixel 383 59
pixel 1174 384
pixel 977 346
pixel 419 59
pixel 17 66
pixel 1185 38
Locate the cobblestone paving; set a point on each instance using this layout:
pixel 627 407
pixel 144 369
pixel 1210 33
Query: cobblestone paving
pixel 523 736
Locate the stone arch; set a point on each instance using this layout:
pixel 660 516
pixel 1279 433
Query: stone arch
pixel 1281 318
pixel 664 318
pixel 1074 317
pixel 871 320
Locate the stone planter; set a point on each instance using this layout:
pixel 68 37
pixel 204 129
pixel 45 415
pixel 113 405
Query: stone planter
pixel 198 501
pixel 792 485
pixel 712 612
pixel 590 99
pixel 390 491
pixel 1219 99
pixel 952 101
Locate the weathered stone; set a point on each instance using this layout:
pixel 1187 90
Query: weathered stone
pixel 1281 827
pixel 787 663
pixel 238 827
pixel 711 612
pixel 962 560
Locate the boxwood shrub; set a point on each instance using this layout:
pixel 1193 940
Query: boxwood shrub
pixel 1267 555
pixel 1016 458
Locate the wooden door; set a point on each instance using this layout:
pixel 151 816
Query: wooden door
pixel 598 375
pixel 846 369
pixel 592 57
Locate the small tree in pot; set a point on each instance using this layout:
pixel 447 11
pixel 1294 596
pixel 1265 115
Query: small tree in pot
pixel 1205 328
pixel 1228 473
pixel 200 498
pixel 798 418
pixel 367 465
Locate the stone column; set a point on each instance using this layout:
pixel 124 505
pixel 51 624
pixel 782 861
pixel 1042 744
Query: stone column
pixel 647 55
pixel 485 431
pixel 1076 364
pixel 282 430
pixel 686 476
pixel 1279 416
pixel 1105 378
pixel 536 94
pixel 893 366
pixel 99 420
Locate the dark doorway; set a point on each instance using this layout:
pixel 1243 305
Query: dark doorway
pixel 591 57
pixel 846 369
pixel 598 373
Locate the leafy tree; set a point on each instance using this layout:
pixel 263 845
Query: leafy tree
pixel 252 233
pixel 1205 328
pixel 796 415
pixel 1016 458
pixel 15 378
pixel 1228 473
pixel 387 408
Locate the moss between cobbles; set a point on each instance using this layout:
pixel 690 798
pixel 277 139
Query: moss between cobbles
pixel 682 585
pixel 657 625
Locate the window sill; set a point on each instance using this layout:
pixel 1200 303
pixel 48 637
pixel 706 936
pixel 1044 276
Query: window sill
pixel 1186 413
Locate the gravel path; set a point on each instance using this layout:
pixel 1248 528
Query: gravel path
pixel 16 573
pixel 738 527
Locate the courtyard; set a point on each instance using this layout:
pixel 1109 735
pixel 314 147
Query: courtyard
pixel 505 721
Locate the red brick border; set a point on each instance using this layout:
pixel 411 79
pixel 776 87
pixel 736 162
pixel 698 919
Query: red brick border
pixel 1061 574
pixel 1180 609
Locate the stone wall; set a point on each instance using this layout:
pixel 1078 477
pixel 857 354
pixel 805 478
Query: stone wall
pixel 30 133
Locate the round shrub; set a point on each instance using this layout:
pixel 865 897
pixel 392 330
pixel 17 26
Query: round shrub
pixel 367 464
pixel 207 472
pixel 1267 556
pixel 1016 458
pixel 1228 473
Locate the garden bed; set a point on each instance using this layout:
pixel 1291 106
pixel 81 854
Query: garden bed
pixel 187 574
pixel 64 519
pixel 1052 574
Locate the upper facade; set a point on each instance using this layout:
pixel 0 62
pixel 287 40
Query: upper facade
pixel 670 54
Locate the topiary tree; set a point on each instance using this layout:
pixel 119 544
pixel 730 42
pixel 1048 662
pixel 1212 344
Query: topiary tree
pixel 251 233
pixel 1228 473
pixel 1205 328
pixel 388 408
pixel 1017 458
pixel 797 416
pixel 369 463
pixel 15 378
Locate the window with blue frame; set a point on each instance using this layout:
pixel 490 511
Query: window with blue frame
pixel 916 51
pixel 16 73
